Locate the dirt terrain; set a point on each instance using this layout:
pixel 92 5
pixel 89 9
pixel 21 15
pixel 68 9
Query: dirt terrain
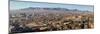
pixel 47 19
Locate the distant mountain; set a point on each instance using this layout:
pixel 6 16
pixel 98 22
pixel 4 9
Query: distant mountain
pixel 31 10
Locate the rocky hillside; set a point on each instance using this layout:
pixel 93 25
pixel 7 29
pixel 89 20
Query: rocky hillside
pixel 49 19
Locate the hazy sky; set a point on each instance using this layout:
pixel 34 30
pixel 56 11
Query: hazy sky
pixel 83 2
pixel 20 5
